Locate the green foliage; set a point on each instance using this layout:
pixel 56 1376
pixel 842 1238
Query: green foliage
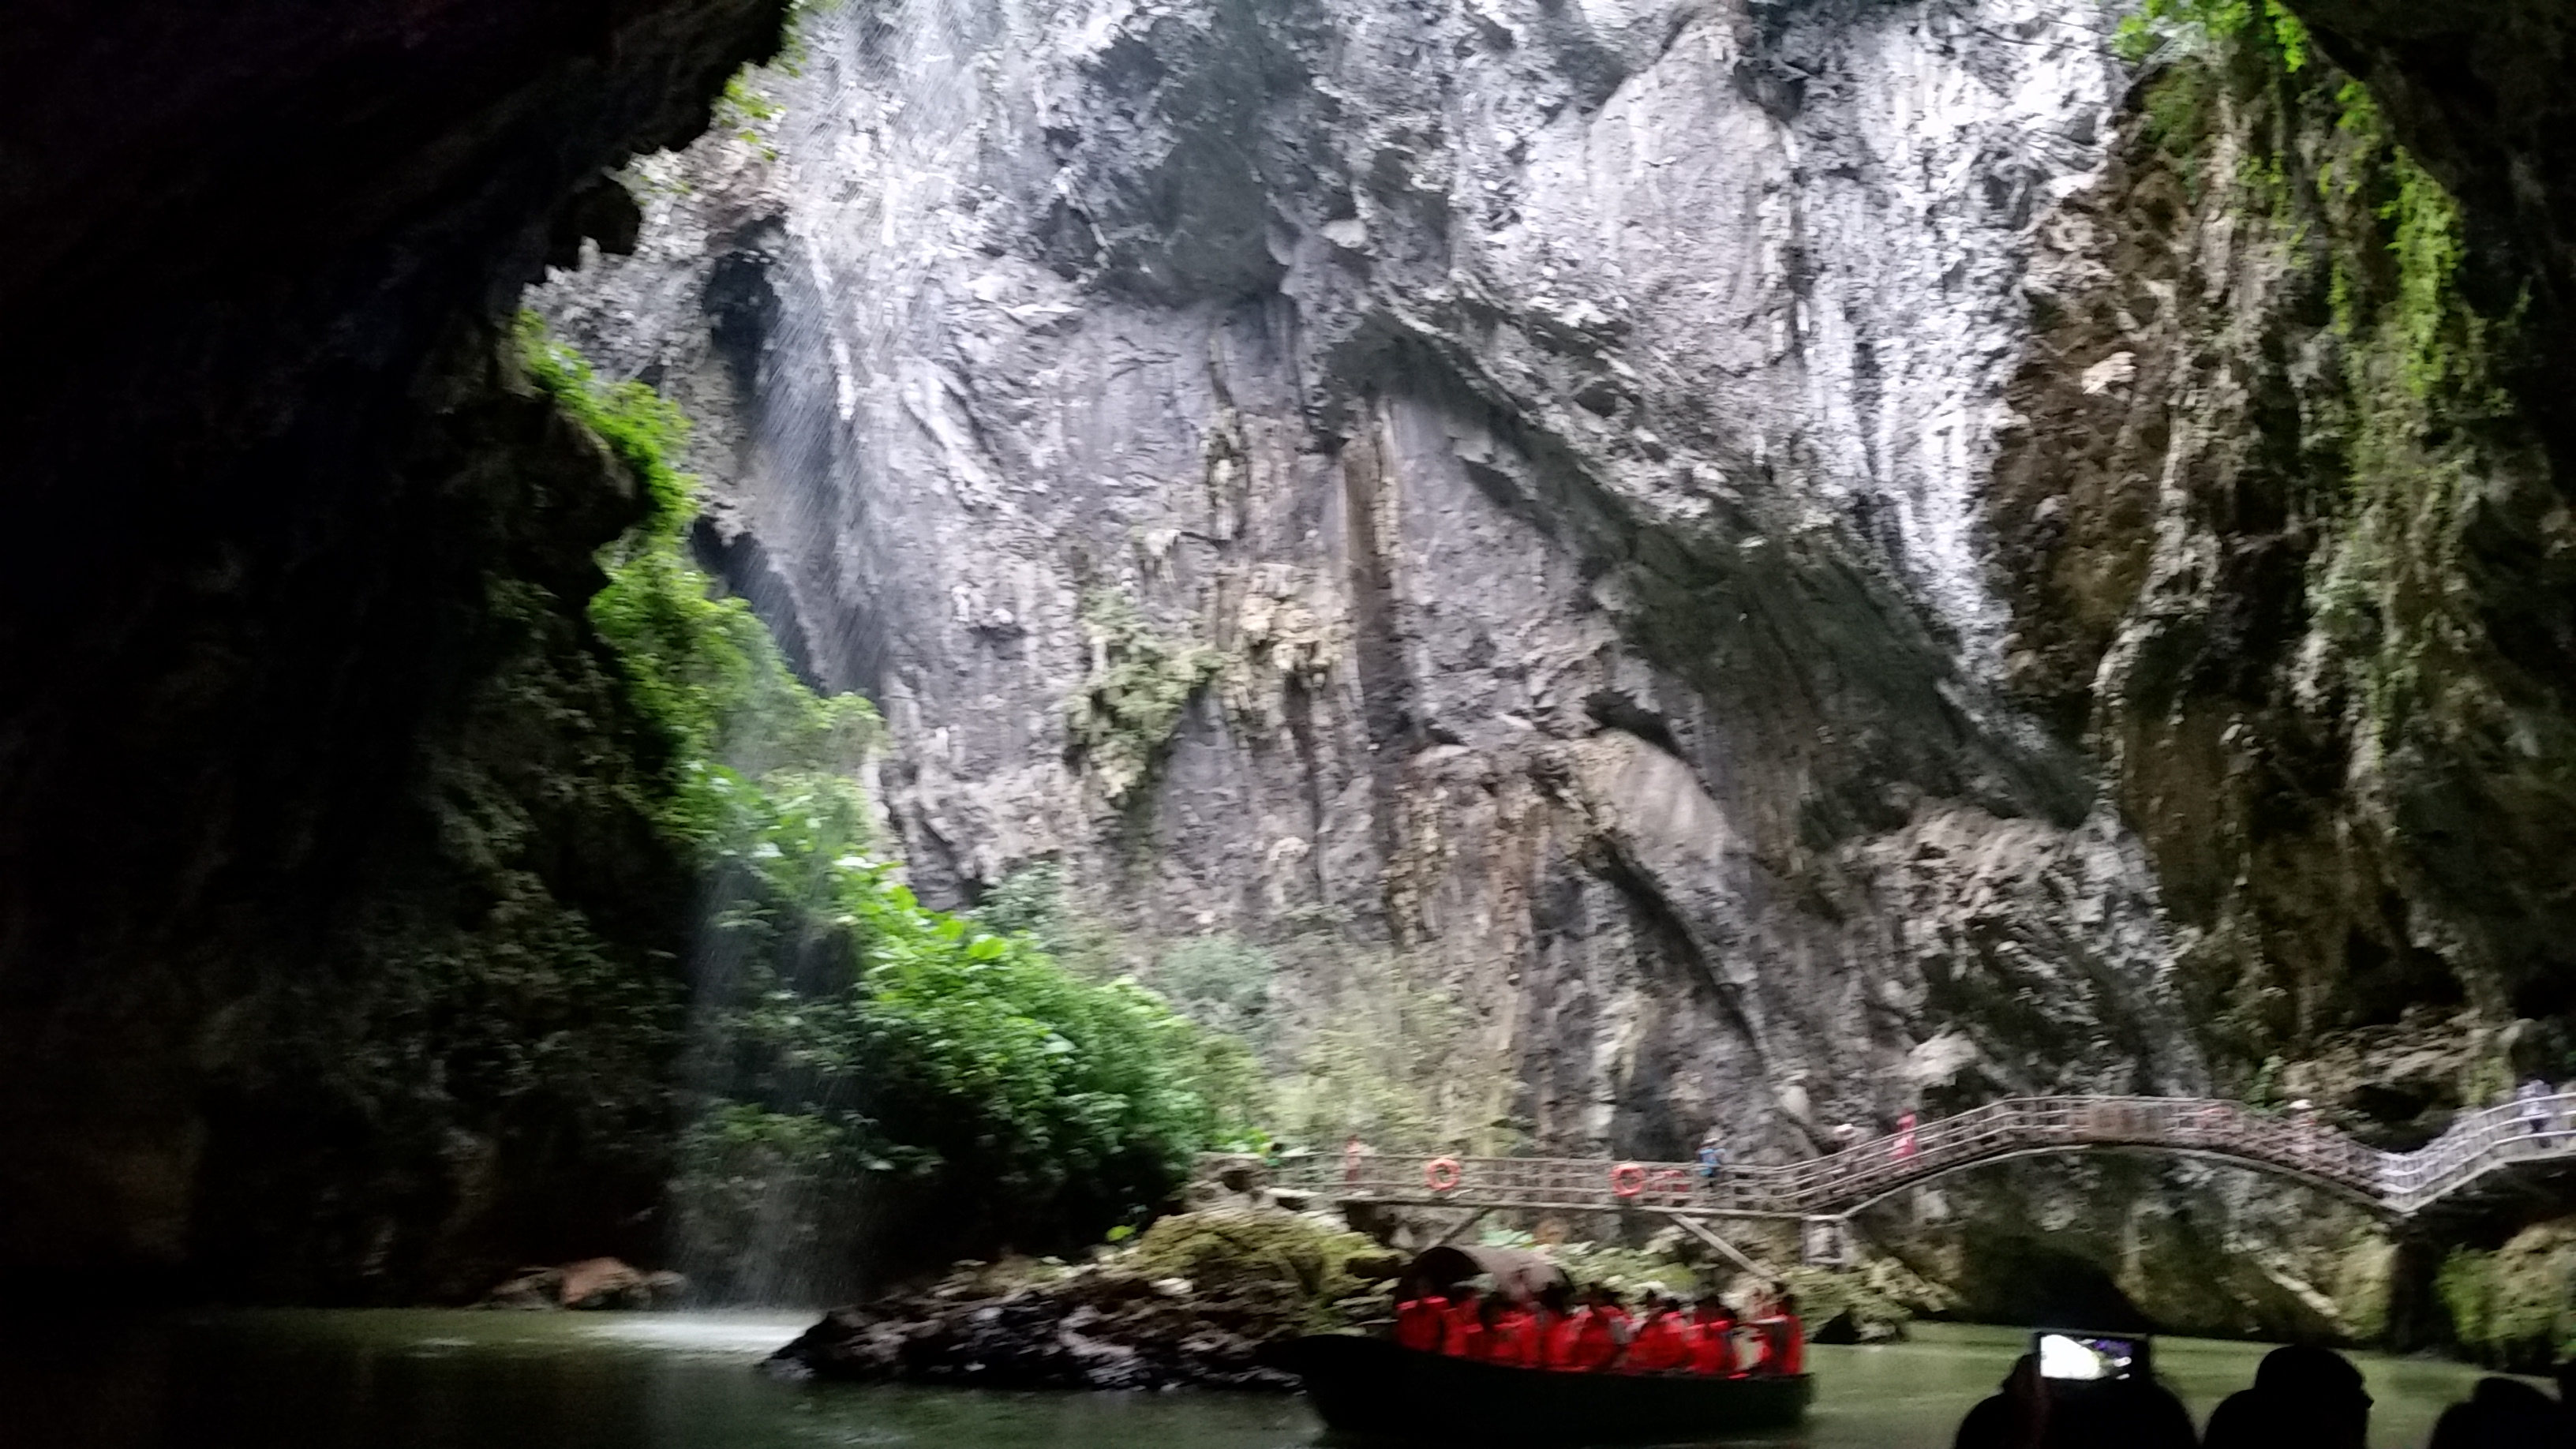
pixel 1120 720
pixel 643 429
pixel 1224 1253
pixel 1221 982
pixel 750 112
pixel 1629 1270
pixel 1030 901
pixel 1871 1302
pixel 703 668
pixel 1391 1059
pixel 1365 1048
pixel 856 1049
pixel 2157 21
pixel 2515 1307
pixel 1215 981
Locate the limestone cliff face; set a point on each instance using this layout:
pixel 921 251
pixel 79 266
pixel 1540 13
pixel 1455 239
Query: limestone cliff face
pixel 1798 562
pixel 2285 545
pixel 1488 493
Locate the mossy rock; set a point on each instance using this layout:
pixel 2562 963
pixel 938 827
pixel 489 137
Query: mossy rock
pixel 1229 1251
pixel 2515 1308
pixel 1859 1305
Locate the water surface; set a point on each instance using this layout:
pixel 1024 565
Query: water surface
pixel 466 1380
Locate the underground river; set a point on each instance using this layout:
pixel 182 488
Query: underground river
pixel 480 1380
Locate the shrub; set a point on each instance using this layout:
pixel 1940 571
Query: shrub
pixel 856 1054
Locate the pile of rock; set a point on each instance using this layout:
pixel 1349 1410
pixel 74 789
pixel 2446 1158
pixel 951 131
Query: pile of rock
pixel 1193 1304
pixel 590 1283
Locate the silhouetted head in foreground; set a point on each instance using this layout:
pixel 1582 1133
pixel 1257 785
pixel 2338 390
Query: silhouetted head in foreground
pixel 2302 1394
pixel 2501 1414
pixel 2015 1418
pixel 2033 1412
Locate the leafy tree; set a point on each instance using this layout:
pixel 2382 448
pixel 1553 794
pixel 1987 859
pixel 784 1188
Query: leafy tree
pixel 867 1070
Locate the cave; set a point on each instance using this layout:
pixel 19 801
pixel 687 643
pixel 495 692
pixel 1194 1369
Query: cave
pixel 1521 570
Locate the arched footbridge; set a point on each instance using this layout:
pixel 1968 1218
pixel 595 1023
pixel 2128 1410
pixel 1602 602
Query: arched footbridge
pixel 2480 1149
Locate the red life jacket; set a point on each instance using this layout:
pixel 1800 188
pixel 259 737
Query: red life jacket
pixel 1419 1322
pixel 1564 1338
pixel 1789 1345
pixel 1462 1330
pixel 1517 1339
pixel 1659 1347
pixel 1597 1338
pixel 1713 1347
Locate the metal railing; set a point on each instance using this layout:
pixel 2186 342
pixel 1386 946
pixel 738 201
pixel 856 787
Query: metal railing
pixel 2297 1144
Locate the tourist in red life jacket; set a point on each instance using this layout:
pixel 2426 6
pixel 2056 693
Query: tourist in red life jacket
pixel 1555 1306
pixel 1712 1338
pixel 1600 1330
pixel 1787 1336
pixel 1565 1338
pixel 1462 1330
pixel 1587 1338
pixel 1422 1320
pixel 1512 1334
pixel 1661 1346
pixel 1753 1354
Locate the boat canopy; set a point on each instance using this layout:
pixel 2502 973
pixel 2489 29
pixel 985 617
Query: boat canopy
pixel 1518 1272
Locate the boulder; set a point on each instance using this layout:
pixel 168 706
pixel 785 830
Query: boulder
pixel 1193 1303
pixel 592 1283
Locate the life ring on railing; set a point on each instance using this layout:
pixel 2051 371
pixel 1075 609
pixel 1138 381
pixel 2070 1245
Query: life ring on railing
pixel 1627 1179
pixel 1442 1174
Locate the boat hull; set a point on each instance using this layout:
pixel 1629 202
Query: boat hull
pixel 1369 1388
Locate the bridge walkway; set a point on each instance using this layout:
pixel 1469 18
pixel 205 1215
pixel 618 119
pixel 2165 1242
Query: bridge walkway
pixel 2398 1185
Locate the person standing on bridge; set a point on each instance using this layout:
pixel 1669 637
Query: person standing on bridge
pixel 1904 1147
pixel 2303 1129
pixel 1712 1160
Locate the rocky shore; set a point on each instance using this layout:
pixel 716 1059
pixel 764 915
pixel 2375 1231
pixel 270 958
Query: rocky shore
pixel 592 1283
pixel 1191 1303
pixel 1197 1299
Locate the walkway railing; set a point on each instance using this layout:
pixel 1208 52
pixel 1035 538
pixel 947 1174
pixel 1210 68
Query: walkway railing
pixel 1836 1184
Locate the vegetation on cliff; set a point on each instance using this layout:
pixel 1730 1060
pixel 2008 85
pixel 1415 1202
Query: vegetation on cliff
pixel 859 1062
pixel 2331 690
pixel 1121 719
pixel 1363 1044
pixel 2515 1307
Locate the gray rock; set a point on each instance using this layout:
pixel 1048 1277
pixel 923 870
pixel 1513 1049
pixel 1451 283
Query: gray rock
pixel 1604 480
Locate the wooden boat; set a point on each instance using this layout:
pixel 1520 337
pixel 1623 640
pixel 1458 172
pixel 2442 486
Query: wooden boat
pixel 1371 1389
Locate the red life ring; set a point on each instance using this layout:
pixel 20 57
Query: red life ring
pixel 1441 1174
pixel 1627 1179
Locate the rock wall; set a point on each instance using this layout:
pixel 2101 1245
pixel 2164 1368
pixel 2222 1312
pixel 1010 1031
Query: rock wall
pixel 1788 563
pixel 1486 492
pixel 335 946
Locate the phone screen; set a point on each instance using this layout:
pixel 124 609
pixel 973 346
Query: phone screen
pixel 2088 1357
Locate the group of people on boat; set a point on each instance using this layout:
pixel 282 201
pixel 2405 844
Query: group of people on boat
pixel 1601 1334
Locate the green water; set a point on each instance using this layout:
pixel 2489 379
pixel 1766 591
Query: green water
pixel 461 1380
